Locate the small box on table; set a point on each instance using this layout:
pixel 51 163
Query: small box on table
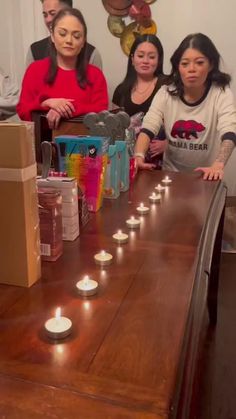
pixel 67 186
pixel 50 221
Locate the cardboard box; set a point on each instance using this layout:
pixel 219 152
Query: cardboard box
pixel 50 222
pixel 19 223
pixel 67 186
pixel 70 228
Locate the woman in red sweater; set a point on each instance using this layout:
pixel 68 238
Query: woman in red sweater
pixel 64 84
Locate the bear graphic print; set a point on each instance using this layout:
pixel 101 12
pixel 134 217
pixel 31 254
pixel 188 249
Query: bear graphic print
pixel 187 130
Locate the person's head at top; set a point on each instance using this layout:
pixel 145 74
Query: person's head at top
pixel 195 66
pixel 68 46
pixel 145 59
pixel 51 7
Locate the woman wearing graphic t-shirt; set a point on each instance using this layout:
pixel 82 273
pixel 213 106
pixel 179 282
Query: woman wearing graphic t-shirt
pixel 198 111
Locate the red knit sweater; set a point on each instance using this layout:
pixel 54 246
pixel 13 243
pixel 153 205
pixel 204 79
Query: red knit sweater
pixel 94 98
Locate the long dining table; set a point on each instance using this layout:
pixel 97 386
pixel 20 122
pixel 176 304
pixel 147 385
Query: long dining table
pixel 133 348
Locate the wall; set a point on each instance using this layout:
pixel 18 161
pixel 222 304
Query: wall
pixel 20 25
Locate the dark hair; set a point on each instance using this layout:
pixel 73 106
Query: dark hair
pixel 203 44
pixel 131 75
pixel 68 3
pixel 82 61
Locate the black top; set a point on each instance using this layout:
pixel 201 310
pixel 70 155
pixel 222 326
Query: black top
pixel 40 49
pixel 131 108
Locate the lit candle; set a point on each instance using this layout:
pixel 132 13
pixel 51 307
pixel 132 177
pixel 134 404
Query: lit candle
pixel 142 209
pixel 166 180
pixel 58 327
pixel 154 197
pixel 160 188
pixel 87 286
pixel 103 258
pixel 120 237
pixel 133 222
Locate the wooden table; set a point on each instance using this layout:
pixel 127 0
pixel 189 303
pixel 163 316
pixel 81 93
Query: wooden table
pixel 134 345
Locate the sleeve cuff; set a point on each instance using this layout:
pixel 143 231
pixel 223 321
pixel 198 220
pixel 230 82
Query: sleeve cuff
pixel 148 133
pixel 229 136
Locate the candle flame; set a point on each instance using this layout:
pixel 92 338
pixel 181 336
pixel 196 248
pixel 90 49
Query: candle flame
pixel 132 218
pixel 58 313
pixel 103 252
pixel 153 195
pixel 119 232
pixel 86 279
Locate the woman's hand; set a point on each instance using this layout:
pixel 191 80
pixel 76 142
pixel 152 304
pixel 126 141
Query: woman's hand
pixel 214 172
pixel 53 118
pixel 140 164
pixel 157 147
pixel 64 107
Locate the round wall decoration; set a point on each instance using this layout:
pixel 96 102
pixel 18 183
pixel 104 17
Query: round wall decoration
pixel 138 12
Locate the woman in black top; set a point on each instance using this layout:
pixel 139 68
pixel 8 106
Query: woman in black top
pixel 143 79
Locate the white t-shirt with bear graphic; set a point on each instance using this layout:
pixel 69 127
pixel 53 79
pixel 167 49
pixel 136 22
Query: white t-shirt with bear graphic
pixel 194 131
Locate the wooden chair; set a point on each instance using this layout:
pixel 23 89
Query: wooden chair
pixel 73 126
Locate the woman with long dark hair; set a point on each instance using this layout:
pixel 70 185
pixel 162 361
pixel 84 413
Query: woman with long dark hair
pixel 64 84
pixel 197 108
pixel 143 79
pixel 144 75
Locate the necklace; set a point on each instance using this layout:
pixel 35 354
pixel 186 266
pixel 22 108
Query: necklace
pixel 142 92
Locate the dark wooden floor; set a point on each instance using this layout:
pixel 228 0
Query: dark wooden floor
pixel 217 391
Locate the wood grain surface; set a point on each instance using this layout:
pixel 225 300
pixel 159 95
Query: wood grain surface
pixel 125 357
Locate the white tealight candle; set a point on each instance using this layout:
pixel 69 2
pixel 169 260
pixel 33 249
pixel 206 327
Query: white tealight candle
pixel 58 327
pixel 103 258
pixel 142 209
pixel 166 180
pixel 87 287
pixel 120 237
pixel 154 197
pixel 160 188
pixel 133 222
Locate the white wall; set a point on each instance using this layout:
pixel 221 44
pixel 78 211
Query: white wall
pixel 175 19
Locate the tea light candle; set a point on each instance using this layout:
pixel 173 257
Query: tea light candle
pixel 87 286
pixel 133 222
pixel 58 327
pixel 154 197
pixel 120 237
pixel 142 209
pixel 160 188
pixel 103 258
pixel 166 180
